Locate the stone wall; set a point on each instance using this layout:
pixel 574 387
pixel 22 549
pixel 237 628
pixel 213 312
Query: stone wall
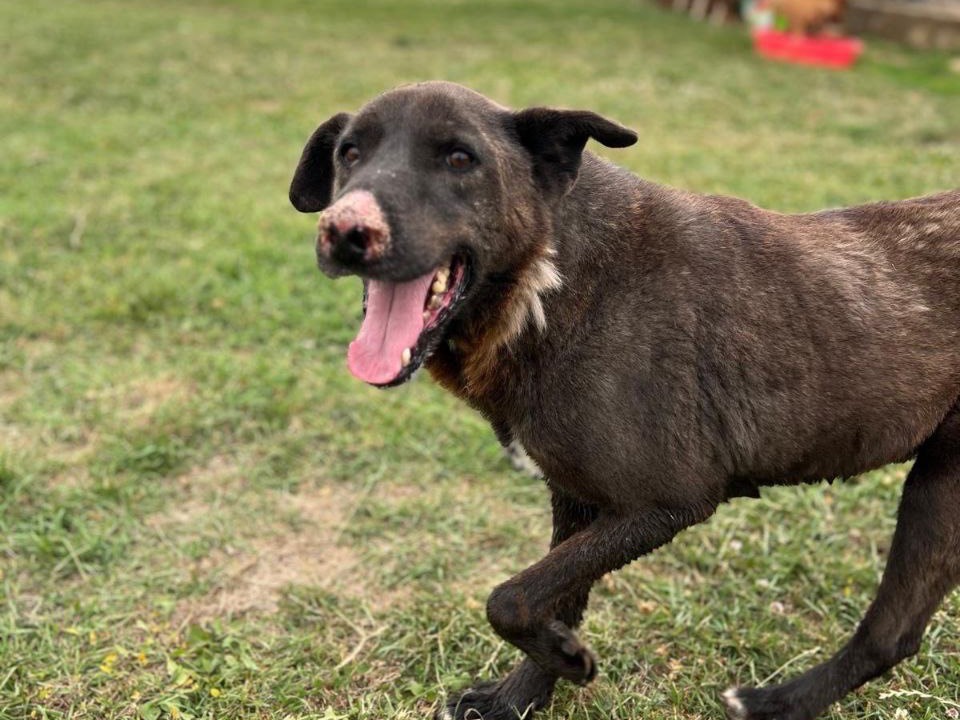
pixel 919 23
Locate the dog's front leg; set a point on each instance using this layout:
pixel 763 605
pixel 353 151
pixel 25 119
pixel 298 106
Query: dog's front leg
pixel 536 609
pixel 528 686
pixel 524 610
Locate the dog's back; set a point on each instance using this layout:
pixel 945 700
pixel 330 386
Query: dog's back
pixel 840 328
pixel 799 347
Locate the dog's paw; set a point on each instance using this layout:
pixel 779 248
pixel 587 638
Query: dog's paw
pixel 764 704
pixel 569 657
pixel 484 702
pixel 735 708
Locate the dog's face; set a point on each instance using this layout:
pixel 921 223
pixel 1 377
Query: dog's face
pixel 428 193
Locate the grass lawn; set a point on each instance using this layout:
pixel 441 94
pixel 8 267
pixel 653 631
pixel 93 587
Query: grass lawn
pixel 203 516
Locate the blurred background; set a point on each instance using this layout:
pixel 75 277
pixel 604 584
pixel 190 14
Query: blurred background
pixel 202 515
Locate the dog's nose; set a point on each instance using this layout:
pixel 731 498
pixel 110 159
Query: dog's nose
pixel 351 243
pixel 353 230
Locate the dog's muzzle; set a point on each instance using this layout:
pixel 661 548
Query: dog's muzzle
pixel 353 231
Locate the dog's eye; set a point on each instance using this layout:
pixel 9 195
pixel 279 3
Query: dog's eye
pixel 460 159
pixel 350 155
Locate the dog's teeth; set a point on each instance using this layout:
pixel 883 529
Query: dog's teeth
pixel 434 302
pixel 405 357
pixel 443 274
pixel 439 285
pixel 426 315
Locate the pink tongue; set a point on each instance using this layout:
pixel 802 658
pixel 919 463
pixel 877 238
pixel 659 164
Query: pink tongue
pixel 394 321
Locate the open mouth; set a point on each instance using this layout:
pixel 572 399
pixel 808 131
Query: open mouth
pixel 403 323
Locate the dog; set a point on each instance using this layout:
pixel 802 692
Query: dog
pixel 655 352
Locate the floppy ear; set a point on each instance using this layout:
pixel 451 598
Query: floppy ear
pixel 555 140
pixel 312 183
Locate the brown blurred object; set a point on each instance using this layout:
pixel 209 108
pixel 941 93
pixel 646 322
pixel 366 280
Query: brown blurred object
pixel 808 17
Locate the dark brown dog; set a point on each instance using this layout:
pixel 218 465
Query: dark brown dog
pixel 656 352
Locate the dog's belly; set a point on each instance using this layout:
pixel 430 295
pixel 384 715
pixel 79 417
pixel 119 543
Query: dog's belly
pixel 638 440
pixel 869 400
pixel 873 434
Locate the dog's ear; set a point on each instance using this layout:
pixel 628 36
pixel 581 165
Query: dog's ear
pixel 556 138
pixel 312 183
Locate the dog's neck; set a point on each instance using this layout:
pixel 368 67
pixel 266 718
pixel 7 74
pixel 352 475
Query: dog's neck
pixel 524 321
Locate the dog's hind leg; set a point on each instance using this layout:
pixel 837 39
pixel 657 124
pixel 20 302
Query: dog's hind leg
pixel 923 566
pixel 528 687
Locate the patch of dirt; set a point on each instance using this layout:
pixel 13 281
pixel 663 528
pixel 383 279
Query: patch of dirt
pixel 13 438
pixel 71 479
pixel 306 551
pixel 37 348
pixel 140 400
pixel 41 443
pixel 11 388
pixel 201 489
pixel 135 404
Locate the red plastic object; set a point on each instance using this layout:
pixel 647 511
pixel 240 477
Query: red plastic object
pixel 832 52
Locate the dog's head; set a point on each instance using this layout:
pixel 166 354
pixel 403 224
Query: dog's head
pixel 429 192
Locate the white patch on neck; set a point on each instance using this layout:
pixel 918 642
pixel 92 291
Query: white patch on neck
pixel 541 278
pixel 522 461
pixel 524 305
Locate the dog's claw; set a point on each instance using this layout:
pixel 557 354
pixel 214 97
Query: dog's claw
pixel 578 664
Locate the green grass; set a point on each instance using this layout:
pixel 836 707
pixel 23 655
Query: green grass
pixel 203 516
